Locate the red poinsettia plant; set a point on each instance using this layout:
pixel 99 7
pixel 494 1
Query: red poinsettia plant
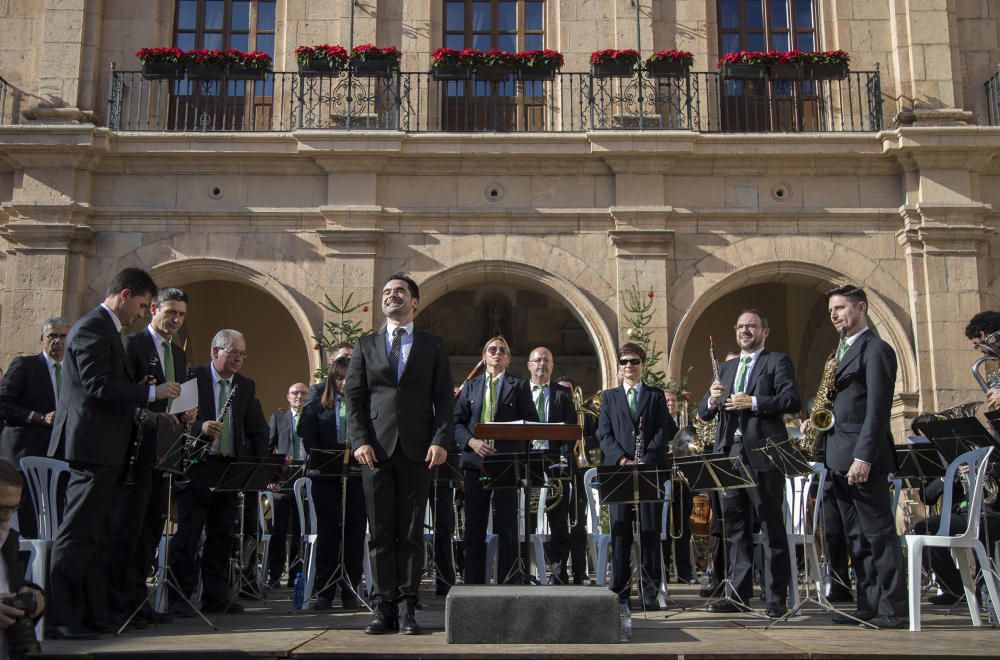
pixel 334 56
pixel 372 53
pixel 757 57
pixel 539 58
pixel 610 55
pixel 494 58
pixel 171 55
pixel 443 57
pixel 682 56
pixel 256 60
pixel 831 57
pixel 208 57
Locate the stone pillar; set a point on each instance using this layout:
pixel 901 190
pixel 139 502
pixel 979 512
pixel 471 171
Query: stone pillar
pixel 351 269
pixel 66 64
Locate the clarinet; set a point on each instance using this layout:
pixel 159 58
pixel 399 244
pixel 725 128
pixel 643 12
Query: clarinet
pixel 638 443
pixel 141 413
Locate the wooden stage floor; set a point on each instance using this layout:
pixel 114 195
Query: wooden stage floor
pixel 271 629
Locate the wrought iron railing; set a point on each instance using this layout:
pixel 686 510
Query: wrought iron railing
pixel 993 99
pixel 10 104
pixel 571 102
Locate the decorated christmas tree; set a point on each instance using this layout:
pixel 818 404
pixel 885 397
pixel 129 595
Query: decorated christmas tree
pixel 640 308
pixel 343 329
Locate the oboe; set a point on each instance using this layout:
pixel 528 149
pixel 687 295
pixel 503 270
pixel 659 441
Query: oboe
pixel 141 413
pixel 638 443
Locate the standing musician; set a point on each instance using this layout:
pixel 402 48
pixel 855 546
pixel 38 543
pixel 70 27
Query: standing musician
pixel 625 411
pixel 493 396
pixel 554 403
pixel 93 425
pixel 579 507
pixel 399 415
pixel 859 454
pixel 236 431
pixel 284 440
pixel 762 387
pixel 141 506
pixel 340 523
pixel 28 404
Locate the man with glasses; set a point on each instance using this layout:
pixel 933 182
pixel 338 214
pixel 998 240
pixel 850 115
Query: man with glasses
pixel 236 431
pixel 28 404
pixel 492 396
pixel 284 440
pixel 635 410
pixel 753 393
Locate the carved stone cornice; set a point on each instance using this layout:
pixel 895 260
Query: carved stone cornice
pixel 643 242
pixel 352 242
pixel 47 237
pixel 70 213
pixel 923 230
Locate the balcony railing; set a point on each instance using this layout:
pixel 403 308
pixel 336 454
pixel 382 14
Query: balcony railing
pixel 993 99
pixel 10 104
pixel 572 102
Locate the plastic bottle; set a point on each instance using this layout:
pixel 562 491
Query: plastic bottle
pixel 625 622
pixel 299 593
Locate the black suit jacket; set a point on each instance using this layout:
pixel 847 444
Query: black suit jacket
pixel 561 410
pixel 616 429
pixel 281 433
pixel 26 388
pixel 414 413
pixel 140 350
pixel 100 392
pixel 514 403
pixel 866 377
pixel 772 381
pixel 249 430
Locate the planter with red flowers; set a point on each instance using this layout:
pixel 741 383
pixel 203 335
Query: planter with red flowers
pixel 787 65
pixel 493 65
pixel 450 64
pixel 612 63
pixel 669 64
pixel 827 65
pixel 205 64
pixel 745 65
pixel 538 64
pixel 161 63
pixel 249 66
pixel 322 59
pixel 370 61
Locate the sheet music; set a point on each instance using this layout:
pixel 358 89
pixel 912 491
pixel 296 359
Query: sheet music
pixel 188 399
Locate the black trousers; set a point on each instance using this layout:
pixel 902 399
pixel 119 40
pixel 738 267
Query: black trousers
pixel 681 506
pixel 871 532
pixel 77 588
pixel 835 540
pixel 138 514
pixel 442 501
pixel 198 509
pixel 396 498
pixel 622 537
pixel 332 531
pixel 739 507
pixel 286 538
pixel 478 503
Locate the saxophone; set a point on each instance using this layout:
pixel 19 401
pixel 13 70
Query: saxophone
pixel 821 417
pixel 704 431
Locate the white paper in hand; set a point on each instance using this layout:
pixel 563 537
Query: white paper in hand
pixel 188 398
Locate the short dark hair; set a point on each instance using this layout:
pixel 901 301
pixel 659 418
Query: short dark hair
pixel 632 347
pixel 170 293
pixel 566 379
pixel 339 345
pixel 135 280
pixel 986 322
pixel 414 289
pixel 9 475
pixel 756 312
pixel 853 293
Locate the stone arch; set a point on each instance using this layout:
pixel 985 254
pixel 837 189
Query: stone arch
pixel 439 283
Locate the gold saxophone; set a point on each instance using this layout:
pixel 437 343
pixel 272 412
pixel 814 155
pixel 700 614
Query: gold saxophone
pixel 821 417
pixel 704 431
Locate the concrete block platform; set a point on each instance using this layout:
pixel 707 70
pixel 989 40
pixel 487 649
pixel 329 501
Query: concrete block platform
pixel 482 614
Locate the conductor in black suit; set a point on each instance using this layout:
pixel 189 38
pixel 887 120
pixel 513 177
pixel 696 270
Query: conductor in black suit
pixel 28 405
pixel 93 428
pixel 624 411
pixel 754 392
pixel 492 396
pixel 859 456
pixel 140 508
pixel 399 418
pixel 240 433
pixel 284 440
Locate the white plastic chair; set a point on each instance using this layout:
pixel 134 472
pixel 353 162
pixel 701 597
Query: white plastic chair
pixel 962 546
pixel 800 527
pixel 598 542
pixel 266 528
pixel 43 476
pixel 304 504
pixel 540 536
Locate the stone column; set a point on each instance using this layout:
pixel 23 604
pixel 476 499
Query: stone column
pixel 351 269
pixel 66 63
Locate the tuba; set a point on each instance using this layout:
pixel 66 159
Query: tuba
pixel 989 377
pixel 821 417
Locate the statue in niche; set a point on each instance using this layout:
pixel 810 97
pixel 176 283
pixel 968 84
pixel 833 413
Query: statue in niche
pixel 496 321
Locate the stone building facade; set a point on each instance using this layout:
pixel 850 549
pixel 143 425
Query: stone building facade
pixel 537 234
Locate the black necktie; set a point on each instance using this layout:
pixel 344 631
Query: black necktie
pixel 396 350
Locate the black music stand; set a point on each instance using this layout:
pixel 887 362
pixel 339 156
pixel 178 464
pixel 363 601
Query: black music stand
pixel 954 437
pixel 786 457
pixel 918 463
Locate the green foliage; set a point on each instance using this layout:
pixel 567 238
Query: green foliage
pixel 640 308
pixel 342 329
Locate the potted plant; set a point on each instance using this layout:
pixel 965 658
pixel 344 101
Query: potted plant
pixel 494 65
pixel 613 63
pixel 249 66
pixel 669 64
pixel 205 64
pixel 787 65
pixel 538 64
pixel 745 65
pixel 451 64
pixel 828 65
pixel 371 61
pixel 161 63
pixel 320 59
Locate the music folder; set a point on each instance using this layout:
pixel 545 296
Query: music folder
pixel 954 437
pixel 714 472
pixel 627 484
pixel 248 474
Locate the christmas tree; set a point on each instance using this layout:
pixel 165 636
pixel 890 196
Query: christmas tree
pixel 341 330
pixel 639 307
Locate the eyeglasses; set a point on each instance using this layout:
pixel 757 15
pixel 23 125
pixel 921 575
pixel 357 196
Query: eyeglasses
pixel 297 393
pixel 538 361
pixel 52 336
pixel 635 362
pixel 493 350
pixel 746 326
pixel 233 351
pixel 6 511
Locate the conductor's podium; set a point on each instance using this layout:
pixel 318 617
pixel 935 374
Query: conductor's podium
pixel 483 614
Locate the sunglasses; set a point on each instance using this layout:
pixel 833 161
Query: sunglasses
pixel 635 362
pixel 493 350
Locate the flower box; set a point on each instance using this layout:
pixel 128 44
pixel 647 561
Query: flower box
pixel 445 72
pixel 162 71
pixel 494 72
pixel 319 68
pixel 613 69
pixel 740 71
pixel 206 71
pixel 537 72
pixel 785 71
pixel 823 71
pixel 538 64
pixel 668 69
pixel 372 68
pixel 239 72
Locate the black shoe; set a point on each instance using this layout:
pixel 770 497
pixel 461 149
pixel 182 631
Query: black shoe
pixel 651 605
pixel 579 579
pixel 856 615
pixel 384 620
pixel 322 604
pixel 182 610
pixel 70 632
pixel 408 620
pixel 349 602
pixel 776 611
pixel 710 591
pixel 839 594
pixel 944 599
pixel 726 607
pixel 102 626
pixel 273 583
pixel 149 615
pixel 222 608
pixel 888 622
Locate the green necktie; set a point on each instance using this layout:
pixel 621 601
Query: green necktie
pixel 168 361
pixel 58 368
pixel 225 441
pixel 491 400
pixel 842 349
pixel 632 404
pixel 341 421
pixel 540 401
pixel 741 377
pixel 295 436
